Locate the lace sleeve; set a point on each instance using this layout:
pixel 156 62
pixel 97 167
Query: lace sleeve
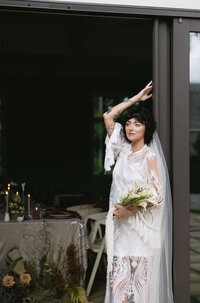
pixel 114 145
pixel 153 176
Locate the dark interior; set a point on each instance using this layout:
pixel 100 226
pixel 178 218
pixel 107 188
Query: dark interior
pixel 51 68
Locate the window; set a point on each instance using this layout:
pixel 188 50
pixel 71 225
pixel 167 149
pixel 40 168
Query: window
pixel 194 167
pixel 101 103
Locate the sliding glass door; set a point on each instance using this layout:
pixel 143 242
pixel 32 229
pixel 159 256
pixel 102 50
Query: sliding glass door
pixel 186 158
pixel 194 101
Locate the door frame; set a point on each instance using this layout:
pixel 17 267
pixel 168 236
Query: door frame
pixel 161 83
pixel 181 154
pixel 180 157
pixel 67 7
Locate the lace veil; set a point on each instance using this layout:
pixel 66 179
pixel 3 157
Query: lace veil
pixel 165 271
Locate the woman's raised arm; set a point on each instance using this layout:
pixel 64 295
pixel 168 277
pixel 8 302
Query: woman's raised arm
pixel 112 114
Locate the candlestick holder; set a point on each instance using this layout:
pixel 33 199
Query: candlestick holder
pixel 7 217
pixel 36 212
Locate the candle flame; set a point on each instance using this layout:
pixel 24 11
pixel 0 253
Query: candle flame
pixel 6 193
pixel 8 186
pixel 29 195
pixel 36 208
pixel 17 193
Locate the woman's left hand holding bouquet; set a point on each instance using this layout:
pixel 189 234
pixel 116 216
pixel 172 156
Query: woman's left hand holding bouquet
pixel 123 212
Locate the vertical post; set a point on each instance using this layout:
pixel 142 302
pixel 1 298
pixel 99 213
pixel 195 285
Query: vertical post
pixel 180 161
pixel 155 53
pixel 161 83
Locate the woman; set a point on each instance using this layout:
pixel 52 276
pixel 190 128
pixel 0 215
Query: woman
pixel 138 241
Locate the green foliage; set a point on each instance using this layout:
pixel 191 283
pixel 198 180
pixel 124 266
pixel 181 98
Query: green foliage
pixel 53 281
pixel 77 294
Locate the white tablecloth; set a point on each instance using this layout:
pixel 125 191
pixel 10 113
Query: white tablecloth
pixel 33 238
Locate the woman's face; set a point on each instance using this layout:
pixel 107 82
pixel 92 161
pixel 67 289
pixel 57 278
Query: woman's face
pixel 135 130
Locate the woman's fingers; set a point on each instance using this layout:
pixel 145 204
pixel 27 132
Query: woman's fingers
pixel 148 88
pixel 147 91
pixel 117 212
pixel 123 212
pixel 150 83
pixel 149 96
pixel 118 206
pixel 144 95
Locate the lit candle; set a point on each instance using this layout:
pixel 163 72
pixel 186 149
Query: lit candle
pixel 8 192
pixel 6 201
pixel 36 213
pixel 29 204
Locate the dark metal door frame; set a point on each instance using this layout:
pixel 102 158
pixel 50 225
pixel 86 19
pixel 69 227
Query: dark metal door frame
pixel 70 7
pixel 161 83
pixel 180 157
pixel 180 144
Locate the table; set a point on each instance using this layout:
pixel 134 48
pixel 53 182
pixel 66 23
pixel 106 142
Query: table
pixel 34 237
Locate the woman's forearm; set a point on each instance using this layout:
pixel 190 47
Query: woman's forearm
pixel 114 112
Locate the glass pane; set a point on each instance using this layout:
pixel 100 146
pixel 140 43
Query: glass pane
pixel 195 166
pixel 195 267
pixel 195 129
pixel 194 80
pixel 195 179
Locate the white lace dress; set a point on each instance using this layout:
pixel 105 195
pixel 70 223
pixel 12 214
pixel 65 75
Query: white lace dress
pixel 137 241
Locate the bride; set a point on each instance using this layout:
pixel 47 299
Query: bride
pixel 138 241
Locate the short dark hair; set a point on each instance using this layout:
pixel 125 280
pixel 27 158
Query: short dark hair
pixel 144 116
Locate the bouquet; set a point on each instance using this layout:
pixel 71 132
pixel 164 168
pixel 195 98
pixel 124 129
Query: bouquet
pixel 137 198
pixel 141 197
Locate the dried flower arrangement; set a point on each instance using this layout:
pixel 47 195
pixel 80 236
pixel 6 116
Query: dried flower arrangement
pixel 57 281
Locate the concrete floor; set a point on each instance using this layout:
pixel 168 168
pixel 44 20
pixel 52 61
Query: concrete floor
pixel 98 292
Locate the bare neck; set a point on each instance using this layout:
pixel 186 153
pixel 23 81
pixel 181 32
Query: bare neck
pixel 138 145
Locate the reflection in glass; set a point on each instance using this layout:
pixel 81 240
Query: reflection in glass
pixel 195 162
pixel 194 128
pixel 195 267
pixel 195 179
pixel 194 80
pixel 195 57
pixel 195 167
pixel 194 106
